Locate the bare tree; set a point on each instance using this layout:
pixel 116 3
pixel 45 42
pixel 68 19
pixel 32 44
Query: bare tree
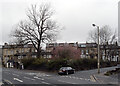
pixel 38 28
pixel 105 35
pixel 106 38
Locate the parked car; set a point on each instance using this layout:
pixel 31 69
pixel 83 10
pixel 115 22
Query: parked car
pixel 66 70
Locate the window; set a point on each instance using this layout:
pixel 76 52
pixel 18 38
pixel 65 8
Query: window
pixel 86 51
pixel 11 52
pixel 6 52
pixel 82 52
pixel 83 45
pixel 22 50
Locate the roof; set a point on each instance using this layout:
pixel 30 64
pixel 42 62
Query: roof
pixel 17 46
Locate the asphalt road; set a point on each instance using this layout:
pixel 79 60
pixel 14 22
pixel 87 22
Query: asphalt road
pixel 16 76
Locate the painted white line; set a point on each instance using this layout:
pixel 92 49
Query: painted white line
pixel 7 72
pixel 28 78
pixel 77 78
pixel 89 79
pixel 74 77
pixel 66 76
pixel 38 78
pixel 18 79
pixel 1 83
pixel 86 79
pixel 45 83
pixel 62 76
pixel 48 75
pixel 15 75
pixel 81 78
pixel 66 82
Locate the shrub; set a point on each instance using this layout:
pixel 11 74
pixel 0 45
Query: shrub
pixel 55 64
pixel 27 62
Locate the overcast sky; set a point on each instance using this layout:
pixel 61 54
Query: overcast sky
pixel 76 16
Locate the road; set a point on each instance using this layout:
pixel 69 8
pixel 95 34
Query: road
pixel 16 76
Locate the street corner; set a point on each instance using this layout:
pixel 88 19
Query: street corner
pixel 102 79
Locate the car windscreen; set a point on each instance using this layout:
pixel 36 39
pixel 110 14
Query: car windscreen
pixel 65 68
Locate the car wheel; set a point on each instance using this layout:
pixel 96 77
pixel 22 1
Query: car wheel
pixel 67 73
pixel 73 72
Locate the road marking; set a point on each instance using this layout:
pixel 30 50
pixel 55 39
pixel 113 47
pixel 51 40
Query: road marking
pixel 1 83
pixel 99 81
pixel 81 78
pixel 28 78
pixel 92 78
pixel 89 79
pixel 8 81
pixel 18 79
pixel 31 73
pixel 86 79
pixel 45 83
pixel 15 75
pixel 43 74
pixel 77 78
pixel 72 77
pixel 38 78
pixel 66 82
pixel 48 75
pixel 7 72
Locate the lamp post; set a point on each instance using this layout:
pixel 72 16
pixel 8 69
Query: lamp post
pixel 98 47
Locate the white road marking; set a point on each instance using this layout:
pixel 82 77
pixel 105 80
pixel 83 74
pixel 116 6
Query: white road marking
pixel 18 79
pixel 31 73
pixel 38 78
pixel 72 77
pixel 1 83
pixel 28 78
pixel 89 79
pixel 15 75
pixel 77 78
pixel 86 79
pixel 42 74
pixel 7 72
pixel 48 75
pixel 66 82
pixel 81 78
pixel 45 83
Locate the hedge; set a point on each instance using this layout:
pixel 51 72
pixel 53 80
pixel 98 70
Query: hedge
pixel 55 64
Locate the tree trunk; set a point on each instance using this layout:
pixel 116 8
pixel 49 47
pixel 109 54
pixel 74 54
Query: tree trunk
pixel 38 51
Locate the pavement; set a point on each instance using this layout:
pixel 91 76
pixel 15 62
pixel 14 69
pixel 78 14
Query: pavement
pixel 103 79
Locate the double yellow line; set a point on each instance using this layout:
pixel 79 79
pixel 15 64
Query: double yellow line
pixel 8 82
pixel 93 78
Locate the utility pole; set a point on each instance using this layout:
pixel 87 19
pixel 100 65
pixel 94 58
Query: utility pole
pixel 98 48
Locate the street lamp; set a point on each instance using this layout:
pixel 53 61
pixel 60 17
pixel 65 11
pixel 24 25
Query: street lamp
pixel 98 47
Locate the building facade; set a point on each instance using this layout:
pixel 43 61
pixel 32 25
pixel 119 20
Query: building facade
pixel 109 52
pixel 119 23
pixel 88 50
pixel 0 51
pixel 16 52
pixel 51 46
